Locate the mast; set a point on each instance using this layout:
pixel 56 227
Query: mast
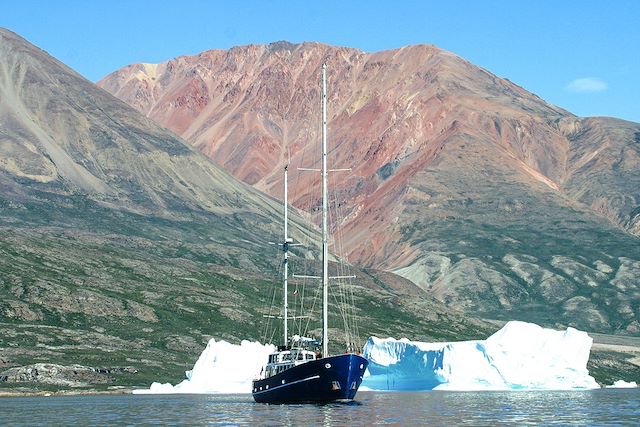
pixel 285 248
pixel 325 243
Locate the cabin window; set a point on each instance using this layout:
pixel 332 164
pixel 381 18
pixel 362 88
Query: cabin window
pixel 300 356
pixel 286 356
pixel 309 356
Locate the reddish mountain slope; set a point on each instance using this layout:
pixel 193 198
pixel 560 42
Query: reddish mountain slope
pixel 457 175
pixel 391 113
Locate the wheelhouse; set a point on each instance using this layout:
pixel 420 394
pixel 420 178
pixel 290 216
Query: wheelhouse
pixel 283 360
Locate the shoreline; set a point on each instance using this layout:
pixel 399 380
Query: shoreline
pixel 58 393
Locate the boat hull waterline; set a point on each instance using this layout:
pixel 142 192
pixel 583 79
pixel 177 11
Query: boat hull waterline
pixel 322 380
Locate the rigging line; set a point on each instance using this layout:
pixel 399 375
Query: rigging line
pixel 312 310
pixel 348 315
pixel 301 326
pixel 301 310
pixel 348 318
pixel 299 307
pixel 296 308
pixel 303 330
pixel 350 301
pixel 305 314
pixel 340 265
pixel 338 297
pixel 272 337
pixel 335 289
pixel 267 324
pixel 314 194
pixel 267 328
pixel 270 326
pixel 293 307
pixel 342 314
pixel 346 268
pixel 310 231
pixel 347 294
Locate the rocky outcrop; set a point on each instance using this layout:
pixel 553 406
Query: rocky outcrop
pixel 50 374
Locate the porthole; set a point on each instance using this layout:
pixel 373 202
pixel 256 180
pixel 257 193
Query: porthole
pixel 327 365
pixel 267 387
pixel 282 381
pixel 361 365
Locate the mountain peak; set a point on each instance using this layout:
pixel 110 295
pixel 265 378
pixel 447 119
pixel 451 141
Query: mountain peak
pixel 62 134
pixel 460 181
pixel 282 45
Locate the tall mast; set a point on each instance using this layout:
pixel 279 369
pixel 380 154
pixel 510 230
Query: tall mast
pixel 285 248
pixel 325 243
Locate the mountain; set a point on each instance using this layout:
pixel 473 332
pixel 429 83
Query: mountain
pixel 482 194
pixel 63 136
pixel 115 233
pixel 123 250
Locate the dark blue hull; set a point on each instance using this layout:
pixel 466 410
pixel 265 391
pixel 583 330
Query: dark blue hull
pixel 323 380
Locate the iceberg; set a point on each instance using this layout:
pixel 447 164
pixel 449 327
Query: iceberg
pixel 622 384
pixel 221 368
pixel 520 356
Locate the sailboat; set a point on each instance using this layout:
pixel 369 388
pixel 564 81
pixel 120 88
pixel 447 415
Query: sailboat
pixel 297 372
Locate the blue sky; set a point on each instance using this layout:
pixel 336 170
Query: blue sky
pixel 583 56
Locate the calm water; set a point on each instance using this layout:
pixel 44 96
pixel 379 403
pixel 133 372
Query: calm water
pixel 599 407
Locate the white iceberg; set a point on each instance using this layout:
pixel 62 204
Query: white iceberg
pixel 221 368
pixel 517 357
pixel 623 384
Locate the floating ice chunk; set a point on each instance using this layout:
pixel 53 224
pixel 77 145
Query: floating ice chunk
pixel 221 368
pixel 519 356
pixel 623 384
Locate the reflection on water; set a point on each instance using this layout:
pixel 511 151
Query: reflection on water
pixel 432 408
